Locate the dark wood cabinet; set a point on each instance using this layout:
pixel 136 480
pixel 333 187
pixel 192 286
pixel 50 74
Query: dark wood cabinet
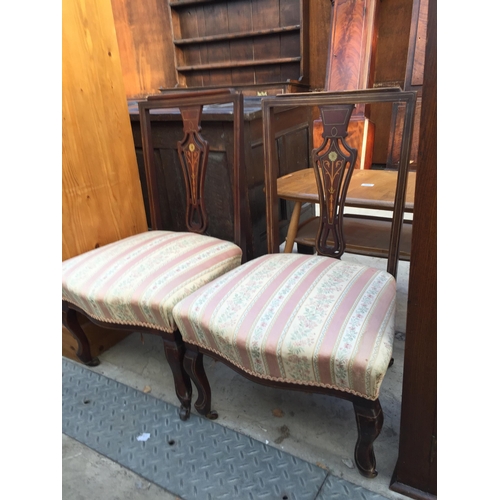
pixel 293 136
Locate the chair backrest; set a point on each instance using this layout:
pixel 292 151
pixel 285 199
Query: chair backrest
pixel 193 151
pixel 334 162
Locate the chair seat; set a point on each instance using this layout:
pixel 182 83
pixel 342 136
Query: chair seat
pixel 138 280
pixel 300 319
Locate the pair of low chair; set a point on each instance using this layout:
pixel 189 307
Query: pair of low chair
pixel 305 322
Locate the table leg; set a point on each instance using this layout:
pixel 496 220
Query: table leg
pixel 292 227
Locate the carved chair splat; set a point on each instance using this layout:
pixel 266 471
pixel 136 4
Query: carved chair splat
pixel 133 284
pixel 312 323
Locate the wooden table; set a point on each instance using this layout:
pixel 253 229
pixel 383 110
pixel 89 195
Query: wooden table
pixel 369 189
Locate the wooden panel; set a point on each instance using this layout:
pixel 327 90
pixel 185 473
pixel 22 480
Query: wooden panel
pixel 144 34
pixel 350 64
pixel 396 40
pixel 319 34
pixel 214 20
pixel 267 16
pixel 393 156
pixel 393 40
pixel 240 20
pixel 102 199
pixel 101 193
pixel 390 66
pixel 352 46
pixel 415 62
pixel 415 473
pixel 416 54
pixel 293 43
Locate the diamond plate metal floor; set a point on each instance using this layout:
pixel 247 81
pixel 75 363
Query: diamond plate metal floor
pixel 196 459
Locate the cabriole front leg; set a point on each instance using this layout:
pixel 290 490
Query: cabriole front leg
pixel 70 321
pixel 369 419
pixel 174 352
pixel 193 363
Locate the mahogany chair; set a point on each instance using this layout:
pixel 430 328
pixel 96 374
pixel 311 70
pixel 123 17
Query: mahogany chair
pixel 133 284
pixel 306 322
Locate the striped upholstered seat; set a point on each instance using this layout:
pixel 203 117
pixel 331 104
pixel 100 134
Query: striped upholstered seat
pixel 307 322
pixel 138 280
pixel 133 284
pixel 300 319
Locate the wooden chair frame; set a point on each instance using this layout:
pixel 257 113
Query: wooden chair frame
pixel 190 104
pixel 392 95
pixel 369 414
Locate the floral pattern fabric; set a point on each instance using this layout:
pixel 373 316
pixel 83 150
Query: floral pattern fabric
pixel 300 319
pixel 138 280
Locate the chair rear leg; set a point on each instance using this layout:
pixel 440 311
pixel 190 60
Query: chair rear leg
pixel 70 321
pixel 174 352
pixel 369 419
pixel 193 363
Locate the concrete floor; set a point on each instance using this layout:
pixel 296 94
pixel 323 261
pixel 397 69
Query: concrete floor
pixel 315 428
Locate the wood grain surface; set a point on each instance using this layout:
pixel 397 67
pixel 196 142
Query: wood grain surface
pixel 372 189
pixel 351 56
pixel 144 34
pixel 101 193
pixel 102 199
pixel 415 474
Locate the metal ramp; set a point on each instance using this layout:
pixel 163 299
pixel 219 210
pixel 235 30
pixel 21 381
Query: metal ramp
pixel 196 459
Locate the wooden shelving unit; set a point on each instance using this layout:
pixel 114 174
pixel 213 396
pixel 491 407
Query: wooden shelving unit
pixel 242 43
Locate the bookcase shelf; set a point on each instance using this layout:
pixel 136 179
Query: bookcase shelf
pixel 234 36
pixel 239 64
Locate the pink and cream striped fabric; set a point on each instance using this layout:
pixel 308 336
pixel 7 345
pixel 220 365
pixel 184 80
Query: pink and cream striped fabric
pixel 297 318
pixel 138 280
